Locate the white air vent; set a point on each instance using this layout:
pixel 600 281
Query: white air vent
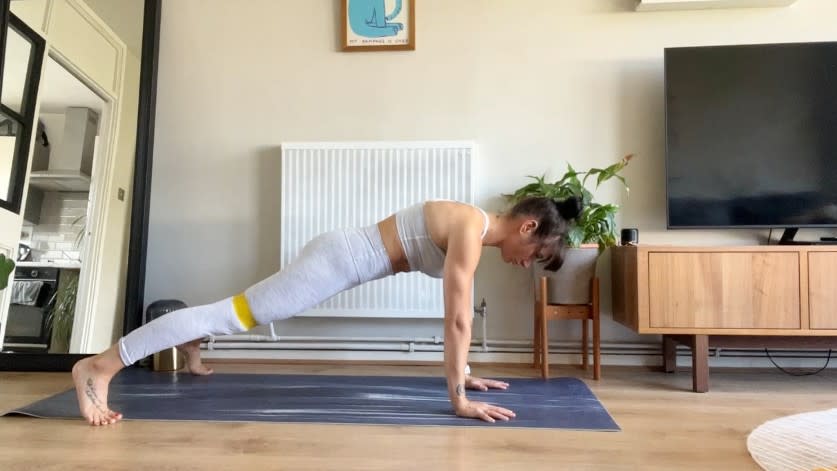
pixel 660 5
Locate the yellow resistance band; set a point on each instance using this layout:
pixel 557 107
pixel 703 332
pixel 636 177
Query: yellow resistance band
pixel 242 310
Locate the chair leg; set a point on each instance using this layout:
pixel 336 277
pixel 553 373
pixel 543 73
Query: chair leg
pixel 584 341
pixel 544 347
pixel 597 338
pixel 543 339
pixel 536 353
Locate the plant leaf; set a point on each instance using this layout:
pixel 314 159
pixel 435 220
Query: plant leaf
pixel 62 314
pixel 7 266
pixel 575 236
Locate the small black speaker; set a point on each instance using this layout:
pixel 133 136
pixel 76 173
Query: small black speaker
pixel 630 236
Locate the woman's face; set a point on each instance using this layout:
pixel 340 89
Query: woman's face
pixel 521 247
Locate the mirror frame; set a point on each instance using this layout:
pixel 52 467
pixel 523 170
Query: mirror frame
pixel 135 281
pixel 32 83
pixel 5 7
pixel 138 245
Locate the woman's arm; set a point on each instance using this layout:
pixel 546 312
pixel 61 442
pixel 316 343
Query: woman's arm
pixel 461 260
pixel 463 253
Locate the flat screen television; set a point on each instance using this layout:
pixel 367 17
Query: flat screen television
pixel 751 136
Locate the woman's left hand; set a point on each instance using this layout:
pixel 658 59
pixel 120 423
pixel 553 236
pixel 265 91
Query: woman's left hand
pixel 480 384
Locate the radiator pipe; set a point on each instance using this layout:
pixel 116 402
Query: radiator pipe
pixel 406 343
pixel 316 338
pixel 249 342
pixel 404 347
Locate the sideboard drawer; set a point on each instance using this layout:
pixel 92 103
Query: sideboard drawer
pixel 724 290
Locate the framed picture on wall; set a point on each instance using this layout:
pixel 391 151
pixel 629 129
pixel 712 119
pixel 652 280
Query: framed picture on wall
pixel 378 25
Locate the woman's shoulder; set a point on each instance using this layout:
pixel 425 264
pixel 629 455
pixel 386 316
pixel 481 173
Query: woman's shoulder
pixel 455 216
pixel 454 206
pixel 452 203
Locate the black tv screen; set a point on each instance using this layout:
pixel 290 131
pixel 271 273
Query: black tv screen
pixel 751 135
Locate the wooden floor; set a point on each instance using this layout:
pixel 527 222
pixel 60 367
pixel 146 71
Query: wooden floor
pixel 665 426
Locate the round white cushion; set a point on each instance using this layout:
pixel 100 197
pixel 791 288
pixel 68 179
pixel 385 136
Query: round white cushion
pixel 806 441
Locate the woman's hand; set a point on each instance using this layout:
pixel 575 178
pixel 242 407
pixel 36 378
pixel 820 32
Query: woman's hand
pixel 482 410
pixel 480 384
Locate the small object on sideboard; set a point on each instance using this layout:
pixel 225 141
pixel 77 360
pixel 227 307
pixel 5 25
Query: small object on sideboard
pixel 629 236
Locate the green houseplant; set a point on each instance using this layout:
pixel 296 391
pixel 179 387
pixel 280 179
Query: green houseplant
pixel 62 315
pixel 593 231
pixel 595 224
pixel 7 266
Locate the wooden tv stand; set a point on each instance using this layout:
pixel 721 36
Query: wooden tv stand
pixel 773 295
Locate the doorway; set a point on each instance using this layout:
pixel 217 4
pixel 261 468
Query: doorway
pixel 58 203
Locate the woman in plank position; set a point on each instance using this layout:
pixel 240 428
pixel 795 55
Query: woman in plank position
pixel 443 239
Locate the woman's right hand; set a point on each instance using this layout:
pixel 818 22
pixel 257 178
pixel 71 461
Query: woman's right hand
pixel 482 410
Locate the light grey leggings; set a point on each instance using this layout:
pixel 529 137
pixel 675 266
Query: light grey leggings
pixel 329 263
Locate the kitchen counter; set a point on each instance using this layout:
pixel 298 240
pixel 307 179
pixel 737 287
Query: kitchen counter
pixel 69 264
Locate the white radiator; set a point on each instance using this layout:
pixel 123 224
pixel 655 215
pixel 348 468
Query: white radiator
pixel 332 185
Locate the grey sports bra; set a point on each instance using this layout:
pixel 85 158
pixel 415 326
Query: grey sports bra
pixel 422 253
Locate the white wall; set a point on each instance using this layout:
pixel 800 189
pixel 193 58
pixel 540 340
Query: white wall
pixel 556 81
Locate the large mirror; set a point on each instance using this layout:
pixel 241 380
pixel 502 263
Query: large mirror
pixel 68 173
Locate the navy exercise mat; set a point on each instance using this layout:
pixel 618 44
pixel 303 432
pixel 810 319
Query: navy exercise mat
pixel 559 403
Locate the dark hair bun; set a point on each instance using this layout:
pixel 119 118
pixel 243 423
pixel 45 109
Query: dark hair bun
pixel 569 208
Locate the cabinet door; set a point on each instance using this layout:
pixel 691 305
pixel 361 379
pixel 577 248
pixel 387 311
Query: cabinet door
pixel 724 290
pixel 822 289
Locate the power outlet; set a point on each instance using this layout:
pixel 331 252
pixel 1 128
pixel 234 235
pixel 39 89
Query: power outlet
pixel 26 234
pixel 121 194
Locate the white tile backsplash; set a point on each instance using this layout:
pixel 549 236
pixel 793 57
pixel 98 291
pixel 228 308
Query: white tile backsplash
pixel 63 216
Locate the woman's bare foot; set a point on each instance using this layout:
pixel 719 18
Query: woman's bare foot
pixel 91 377
pixel 192 352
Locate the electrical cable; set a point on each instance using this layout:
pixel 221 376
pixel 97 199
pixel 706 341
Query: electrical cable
pixel 804 373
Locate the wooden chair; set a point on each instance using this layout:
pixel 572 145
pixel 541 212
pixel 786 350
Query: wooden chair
pixel 545 312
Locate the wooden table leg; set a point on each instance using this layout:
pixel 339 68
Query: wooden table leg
pixel 669 354
pixel 700 363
